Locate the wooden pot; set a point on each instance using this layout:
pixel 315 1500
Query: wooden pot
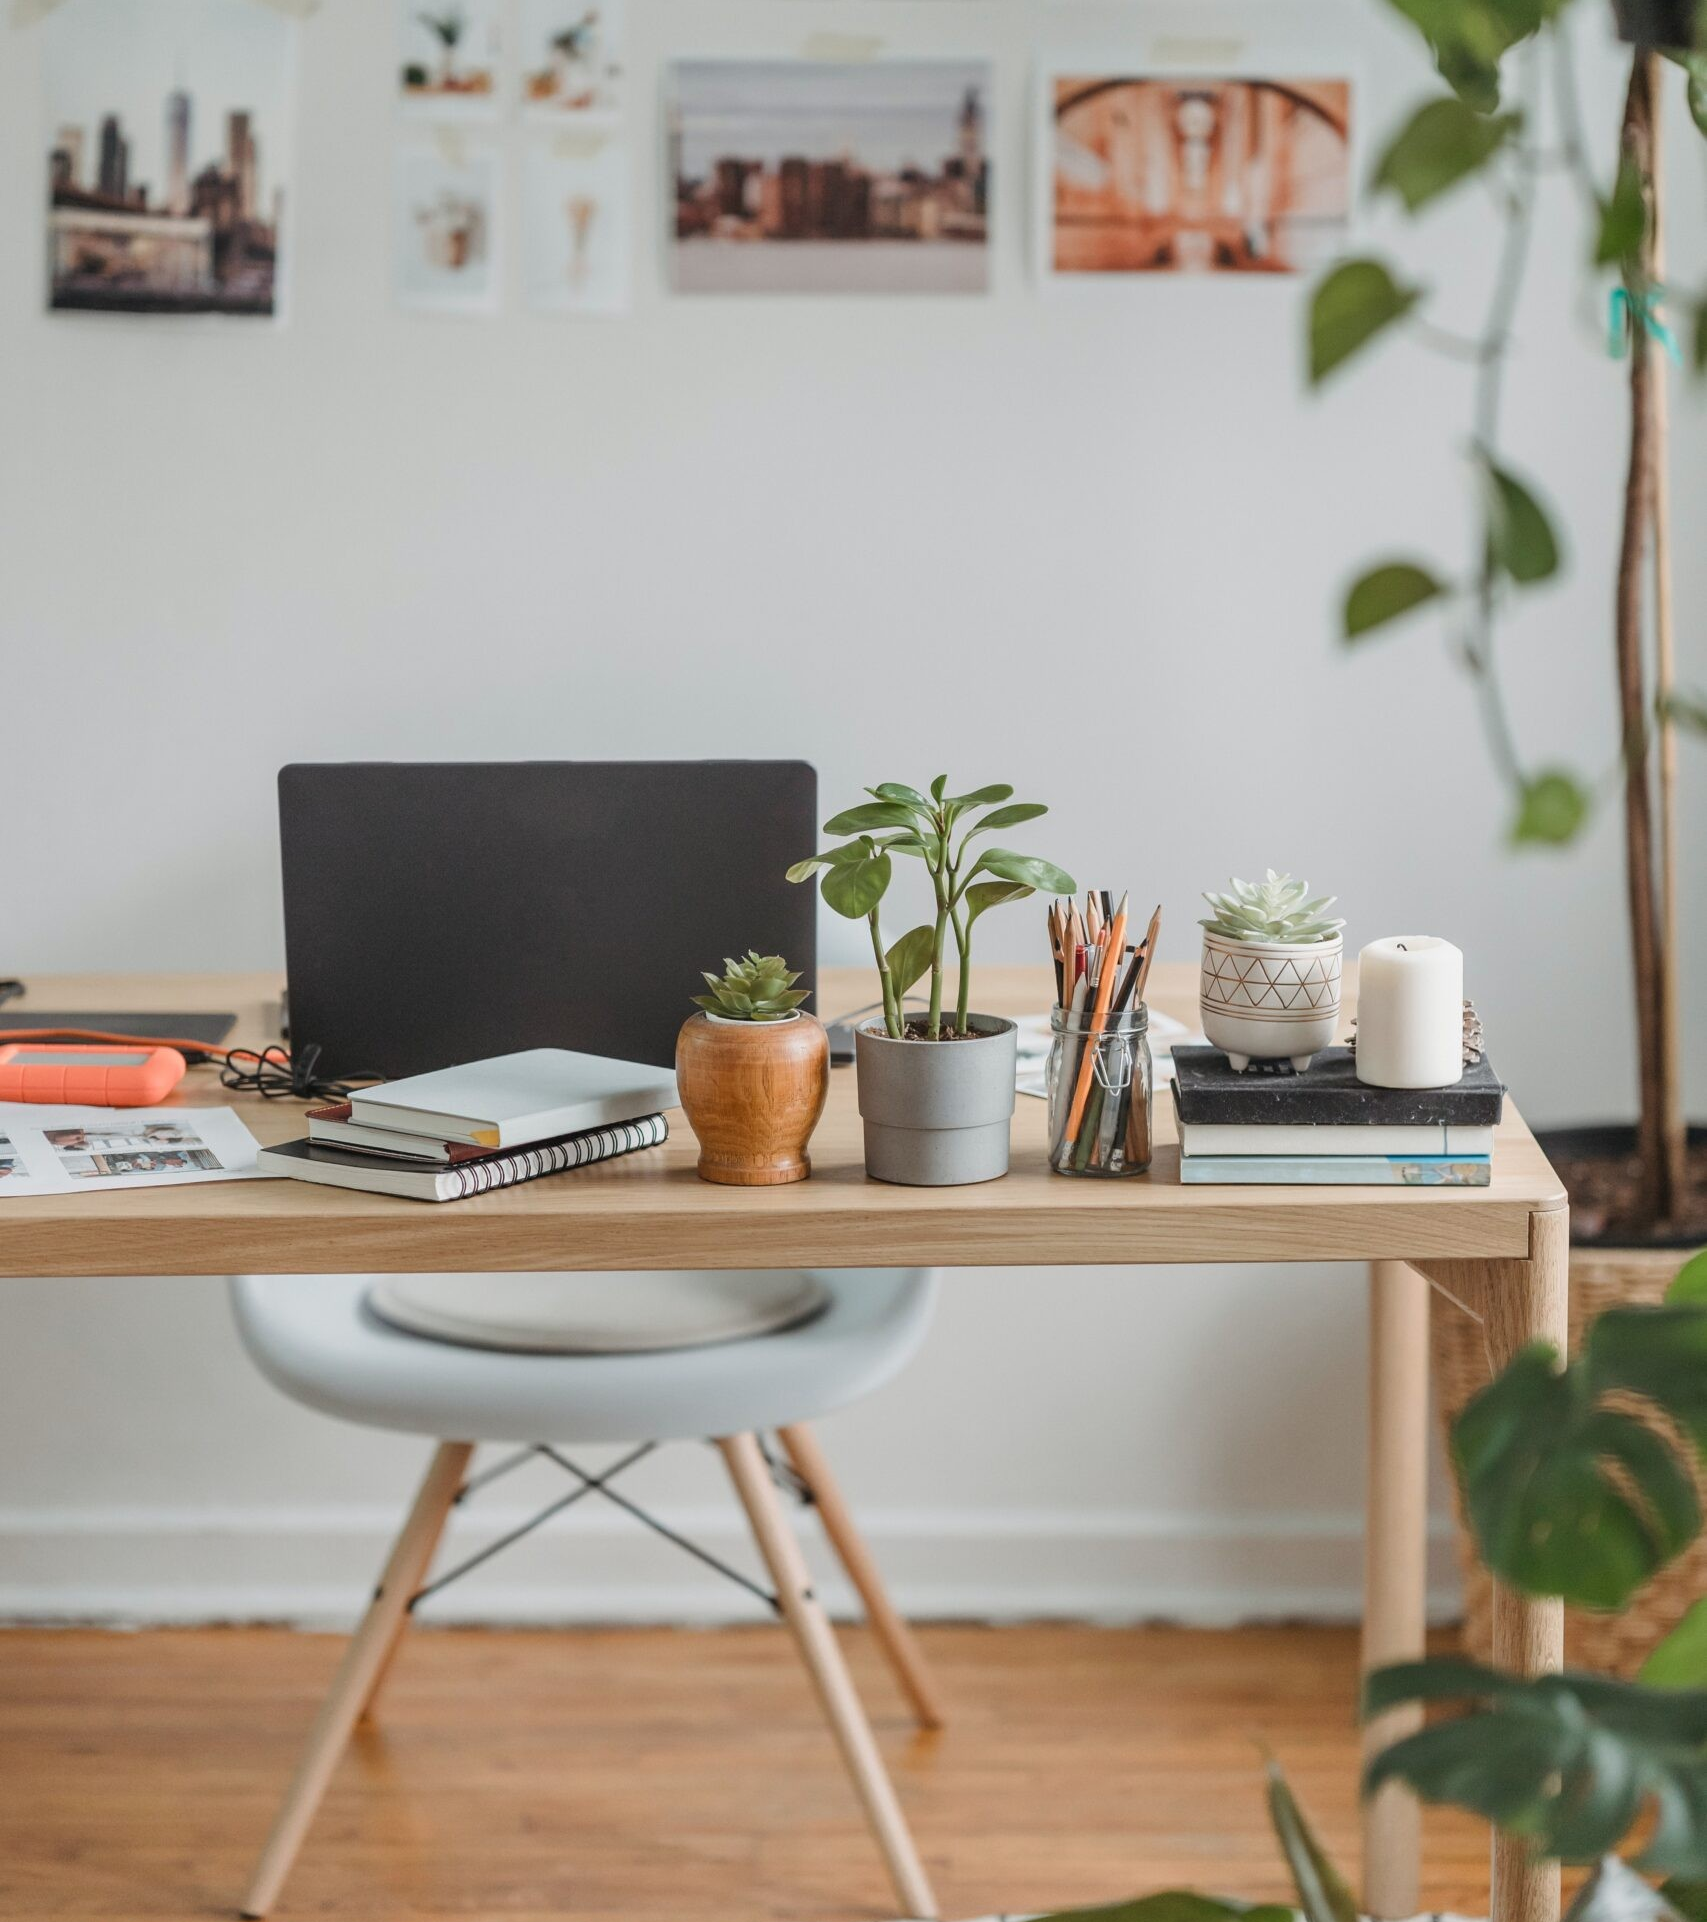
pixel 752 1092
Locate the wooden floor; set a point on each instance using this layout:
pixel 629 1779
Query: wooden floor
pixel 516 1776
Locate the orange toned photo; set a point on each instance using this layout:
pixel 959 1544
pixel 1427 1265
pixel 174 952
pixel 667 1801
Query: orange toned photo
pixel 1165 174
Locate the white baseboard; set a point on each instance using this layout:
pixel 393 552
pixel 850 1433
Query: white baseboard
pixel 315 1567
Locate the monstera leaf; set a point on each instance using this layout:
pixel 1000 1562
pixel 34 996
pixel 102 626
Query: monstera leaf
pixel 1573 1762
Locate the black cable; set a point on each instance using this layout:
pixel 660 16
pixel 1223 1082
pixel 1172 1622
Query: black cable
pixel 276 1075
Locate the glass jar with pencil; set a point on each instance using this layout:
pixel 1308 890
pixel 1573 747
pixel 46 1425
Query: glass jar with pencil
pixel 1099 1077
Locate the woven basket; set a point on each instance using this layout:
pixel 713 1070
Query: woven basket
pixel 1611 1644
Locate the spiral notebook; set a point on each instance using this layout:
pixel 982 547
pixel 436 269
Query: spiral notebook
pixel 339 1168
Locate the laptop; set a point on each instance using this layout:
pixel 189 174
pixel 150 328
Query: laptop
pixel 443 912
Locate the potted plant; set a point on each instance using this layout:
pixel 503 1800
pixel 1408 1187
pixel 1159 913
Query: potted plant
pixel 1270 983
pixel 752 1070
pixel 1579 1483
pixel 1636 1191
pixel 936 1095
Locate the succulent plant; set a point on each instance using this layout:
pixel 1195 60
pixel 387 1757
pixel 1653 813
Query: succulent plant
pixel 760 988
pixel 1274 909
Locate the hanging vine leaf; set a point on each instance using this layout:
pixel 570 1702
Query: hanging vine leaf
pixel 1623 218
pixel 1571 1761
pixel 1386 592
pixel 1442 143
pixel 1552 809
pixel 1357 301
pixel 1521 541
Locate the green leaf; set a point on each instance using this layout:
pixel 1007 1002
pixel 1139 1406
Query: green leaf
pixel 1521 541
pixel 1623 218
pixel 898 791
pixel 980 797
pixel 1322 1893
pixel 1689 1899
pixel 1045 876
pixel 1552 809
pixel 1659 1352
pixel 1386 592
pixel 854 888
pixel 983 895
pixel 938 787
pixel 874 814
pixel 1571 1761
pixel 1686 710
pixel 1175 1905
pixel 1695 89
pixel 1355 303
pixel 1566 1495
pixel 1689 1284
pixel 1009 817
pixel 1441 144
pixel 831 857
pixel 1680 1659
pixel 910 958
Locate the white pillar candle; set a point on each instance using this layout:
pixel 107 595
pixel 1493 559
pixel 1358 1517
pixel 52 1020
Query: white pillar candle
pixel 1410 1012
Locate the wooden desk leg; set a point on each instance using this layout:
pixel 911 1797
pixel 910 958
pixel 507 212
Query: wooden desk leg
pixel 1523 1301
pixel 1528 1301
pixel 1395 1566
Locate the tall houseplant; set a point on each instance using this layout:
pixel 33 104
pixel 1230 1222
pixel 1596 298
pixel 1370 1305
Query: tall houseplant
pixel 1503 62
pixel 936 1095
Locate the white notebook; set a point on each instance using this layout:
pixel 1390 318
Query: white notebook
pixel 514 1099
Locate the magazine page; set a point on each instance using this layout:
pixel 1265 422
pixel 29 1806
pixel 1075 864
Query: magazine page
pixel 47 1150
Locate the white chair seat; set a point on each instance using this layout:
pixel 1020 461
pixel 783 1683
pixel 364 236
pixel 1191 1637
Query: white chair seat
pixel 316 1338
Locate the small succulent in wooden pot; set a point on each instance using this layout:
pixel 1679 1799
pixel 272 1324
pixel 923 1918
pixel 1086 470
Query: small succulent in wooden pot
pixel 753 1069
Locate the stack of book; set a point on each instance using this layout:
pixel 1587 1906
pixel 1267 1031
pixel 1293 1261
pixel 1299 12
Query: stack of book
pixel 489 1124
pixel 1325 1126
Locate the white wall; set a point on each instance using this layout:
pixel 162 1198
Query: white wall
pixel 890 537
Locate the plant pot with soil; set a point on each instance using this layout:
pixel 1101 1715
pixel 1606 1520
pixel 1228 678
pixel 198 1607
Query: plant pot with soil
pixel 936 1089
pixel 753 1069
pixel 1270 984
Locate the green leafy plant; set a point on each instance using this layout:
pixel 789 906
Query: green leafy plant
pixel 1510 119
pixel 900 820
pixel 1274 909
pixel 1570 1492
pixel 447 27
pixel 758 988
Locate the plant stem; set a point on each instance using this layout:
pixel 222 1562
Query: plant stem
pixel 891 1001
pixel 963 942
pixel 1657 1195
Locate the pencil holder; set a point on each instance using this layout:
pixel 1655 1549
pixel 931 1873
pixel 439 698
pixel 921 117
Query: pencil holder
pixel 1099 1092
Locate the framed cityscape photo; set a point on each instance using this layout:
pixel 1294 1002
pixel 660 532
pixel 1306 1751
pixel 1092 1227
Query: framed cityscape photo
pixel 827 176
pixel 169 156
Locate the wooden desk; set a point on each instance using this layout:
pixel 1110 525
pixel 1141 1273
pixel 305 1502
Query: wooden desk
pixel 1501 1250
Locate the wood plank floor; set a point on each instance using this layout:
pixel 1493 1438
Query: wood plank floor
pixel 622 1774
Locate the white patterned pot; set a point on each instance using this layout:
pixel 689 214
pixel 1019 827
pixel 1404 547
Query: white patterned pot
pixel 1270 1000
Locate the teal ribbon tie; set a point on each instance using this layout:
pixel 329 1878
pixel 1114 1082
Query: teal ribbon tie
pixel 1628 311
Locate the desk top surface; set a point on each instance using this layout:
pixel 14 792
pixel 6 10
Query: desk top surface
pixel 652 1211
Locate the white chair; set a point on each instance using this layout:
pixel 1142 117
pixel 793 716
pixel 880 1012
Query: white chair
pixel 335 1343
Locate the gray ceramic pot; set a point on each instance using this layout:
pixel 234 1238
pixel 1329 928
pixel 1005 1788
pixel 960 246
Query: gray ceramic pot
pixel 937 1113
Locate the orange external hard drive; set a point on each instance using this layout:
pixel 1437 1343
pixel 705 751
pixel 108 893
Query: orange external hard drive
pixel 95 1076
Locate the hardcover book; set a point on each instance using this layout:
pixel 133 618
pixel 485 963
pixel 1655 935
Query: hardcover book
pixel 1327 1094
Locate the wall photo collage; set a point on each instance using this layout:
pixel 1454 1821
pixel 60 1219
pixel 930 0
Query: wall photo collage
pixel 170 163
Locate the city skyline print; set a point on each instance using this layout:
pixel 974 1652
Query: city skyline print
pixel 802 176
pixel 169 162
pixel 1177 174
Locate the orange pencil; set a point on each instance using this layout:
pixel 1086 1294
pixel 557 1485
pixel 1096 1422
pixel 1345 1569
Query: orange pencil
pixel 1105 989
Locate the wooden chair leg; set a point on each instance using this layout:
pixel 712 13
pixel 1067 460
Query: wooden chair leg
pixel 805 1616
pixel 894 1637
pixel 399 1628
pixel 354 1682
